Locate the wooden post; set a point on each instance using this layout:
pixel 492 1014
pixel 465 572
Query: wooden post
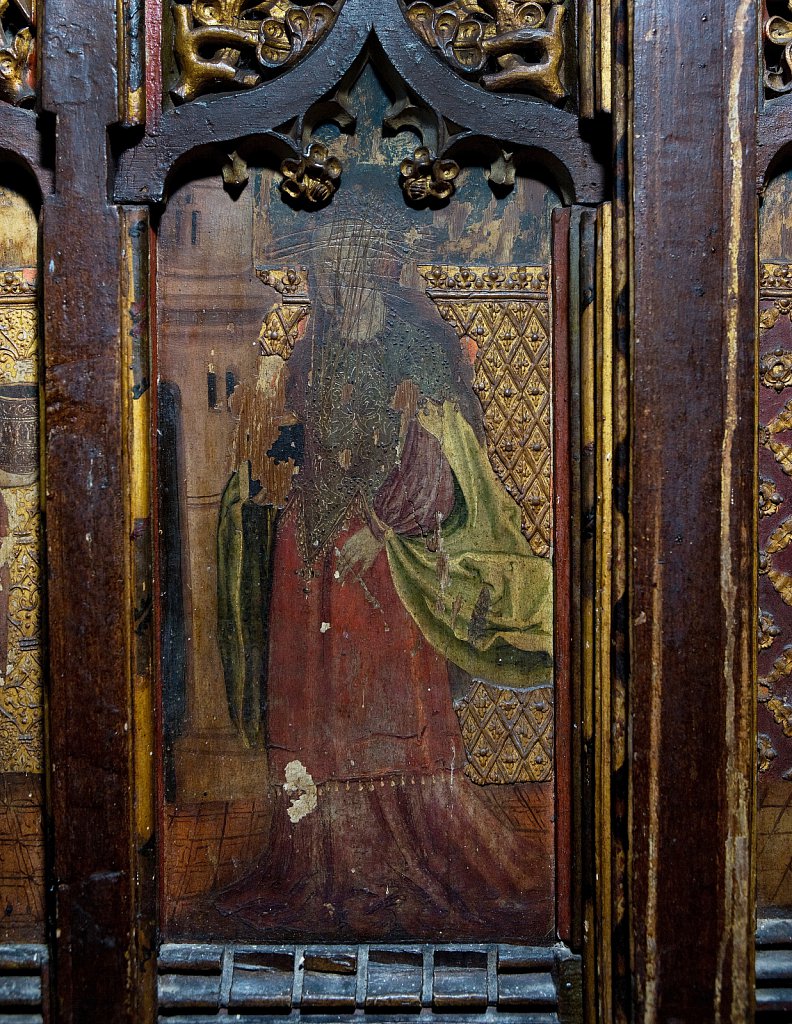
pixel 693 508
pixel 94 974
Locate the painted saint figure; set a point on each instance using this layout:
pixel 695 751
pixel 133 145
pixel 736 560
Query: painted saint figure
pixel 372 572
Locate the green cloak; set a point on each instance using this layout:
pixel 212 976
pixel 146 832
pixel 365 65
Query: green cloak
pixel 481 598
pixel 245 542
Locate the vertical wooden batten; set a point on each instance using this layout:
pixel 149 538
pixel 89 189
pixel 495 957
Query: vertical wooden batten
pixel 693 471
pixel 94 969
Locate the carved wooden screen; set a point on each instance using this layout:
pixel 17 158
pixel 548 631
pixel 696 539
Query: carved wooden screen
pixel 372 294
pixel 392 498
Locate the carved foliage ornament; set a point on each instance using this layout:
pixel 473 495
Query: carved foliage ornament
pixel 503 44
pixel 766 752
pixel 769 497
pixel 313 177
pixel 775 369
pixel 16 51
pixel 424 177
pixel 776 284
pixel 778 48
pixel 767 630
pixel 775 278
pixel 232 44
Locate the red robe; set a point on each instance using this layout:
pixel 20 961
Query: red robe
pixel 400 844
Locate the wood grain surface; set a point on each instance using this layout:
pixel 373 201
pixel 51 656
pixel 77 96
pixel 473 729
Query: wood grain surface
pixel 693 508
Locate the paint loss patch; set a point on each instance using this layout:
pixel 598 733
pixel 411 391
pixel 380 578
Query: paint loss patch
pixel 300 784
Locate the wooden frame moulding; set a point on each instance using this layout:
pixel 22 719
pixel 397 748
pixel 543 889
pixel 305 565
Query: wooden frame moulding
pixel 172 135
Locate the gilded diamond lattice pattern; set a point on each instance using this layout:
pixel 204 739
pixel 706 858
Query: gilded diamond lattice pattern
pixel 508 734
pixel 21 696
pixel 502 315
pixel 21 681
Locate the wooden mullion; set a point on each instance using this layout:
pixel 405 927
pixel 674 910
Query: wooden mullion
pixel 136 404
pixel 94 965
pixel 588 587
pixel 691 691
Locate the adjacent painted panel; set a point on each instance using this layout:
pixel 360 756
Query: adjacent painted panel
pixel 21 673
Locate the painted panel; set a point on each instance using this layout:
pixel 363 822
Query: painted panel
pixel 355 506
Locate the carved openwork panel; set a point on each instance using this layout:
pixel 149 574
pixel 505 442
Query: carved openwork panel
pixel 506 45
pixel 232 44
pixel 777 38
pixel 501 45
pixel 17 51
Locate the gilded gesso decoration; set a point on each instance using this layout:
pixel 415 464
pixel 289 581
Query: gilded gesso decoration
pixel 21 685
pixel 312 177
pixel 282 325
pixel 503 314
pixel 778 47
pixel 504 44
pixel 775 528
pixel 236 44
pixel 17 18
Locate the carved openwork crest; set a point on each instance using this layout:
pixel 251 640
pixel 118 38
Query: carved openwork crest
pixel 778 47
pixel 232 44
pixel 503 44
pixel 16 51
